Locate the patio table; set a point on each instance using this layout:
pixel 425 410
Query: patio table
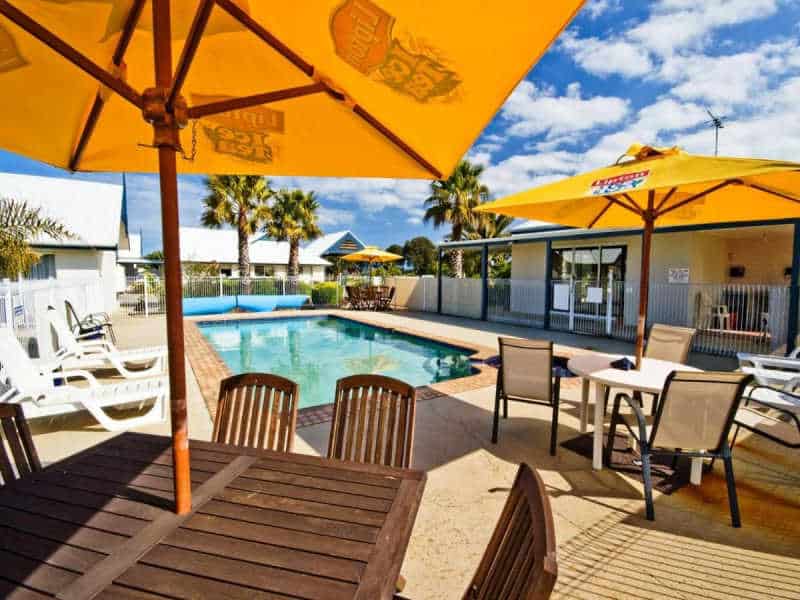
pixel 263 525
pixel 650 379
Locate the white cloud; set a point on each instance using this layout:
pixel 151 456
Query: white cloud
pixel 329 217
pixel 523 171
pixel 534 111
pixel 596 8
pixel 607 56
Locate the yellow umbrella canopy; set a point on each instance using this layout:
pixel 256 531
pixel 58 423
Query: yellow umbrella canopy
pixel 326 88
pixel 372 254
pixel 663 186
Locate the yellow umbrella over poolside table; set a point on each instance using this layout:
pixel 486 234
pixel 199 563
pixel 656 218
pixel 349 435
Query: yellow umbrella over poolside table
pixel 667 186
pixel 371 255
pixel 340 88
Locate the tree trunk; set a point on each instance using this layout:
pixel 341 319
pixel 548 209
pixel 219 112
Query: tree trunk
pixel 457 256
pixel 293 269
pixel 244 254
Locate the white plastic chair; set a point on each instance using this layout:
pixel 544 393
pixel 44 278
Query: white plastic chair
pixel 75 353
pixel 41 397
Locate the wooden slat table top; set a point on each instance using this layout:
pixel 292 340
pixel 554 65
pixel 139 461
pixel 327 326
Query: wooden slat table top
pixel 264 525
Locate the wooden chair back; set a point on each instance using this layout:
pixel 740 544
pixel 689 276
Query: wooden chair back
pixel 373 421
pixel 520 560
pixel 257 410
pixel 18 456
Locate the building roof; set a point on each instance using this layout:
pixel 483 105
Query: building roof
pixel 203 245
pixel 134 249
pixel 535 226
pixel 90 210
pixel 335 244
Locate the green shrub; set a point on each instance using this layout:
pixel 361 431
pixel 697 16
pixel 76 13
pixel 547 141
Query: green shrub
pixel 327 292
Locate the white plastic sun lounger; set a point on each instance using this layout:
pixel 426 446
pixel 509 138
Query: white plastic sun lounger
pixel 74 353
pixel 40 397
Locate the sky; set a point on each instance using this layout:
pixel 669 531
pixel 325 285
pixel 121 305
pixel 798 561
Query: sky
pixel 624 71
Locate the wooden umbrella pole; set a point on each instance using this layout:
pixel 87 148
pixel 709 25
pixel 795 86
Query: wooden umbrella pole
pixel 644 280
pixel 166 138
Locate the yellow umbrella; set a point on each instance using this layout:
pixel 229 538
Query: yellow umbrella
pixel 663 185
pixel 372 254
pixel 326 88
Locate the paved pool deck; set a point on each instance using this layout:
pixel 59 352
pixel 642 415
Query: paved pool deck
pixel 606 547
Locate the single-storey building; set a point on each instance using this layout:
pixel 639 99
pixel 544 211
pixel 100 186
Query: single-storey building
pixel 268 258
pixel 730 281
pixel 91 211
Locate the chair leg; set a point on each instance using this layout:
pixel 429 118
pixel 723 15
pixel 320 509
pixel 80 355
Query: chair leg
pixel 648 483
pixel 505 407
pixel 554 423
pixel 496 420
pixel 733 499
pixel 605 399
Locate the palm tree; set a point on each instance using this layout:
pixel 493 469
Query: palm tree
pixel 19 224
pixel 452 200
pixel 490 226
pixel 241 201
pixel 294 220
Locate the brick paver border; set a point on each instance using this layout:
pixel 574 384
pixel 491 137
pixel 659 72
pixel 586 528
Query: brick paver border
pixel 209 369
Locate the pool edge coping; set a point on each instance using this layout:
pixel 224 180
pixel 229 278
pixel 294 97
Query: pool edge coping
pixel 209 368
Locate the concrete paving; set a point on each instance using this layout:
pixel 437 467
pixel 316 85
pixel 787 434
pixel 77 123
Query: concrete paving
pixel 606 547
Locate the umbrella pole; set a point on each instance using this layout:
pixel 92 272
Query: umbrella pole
pixel 164 132
pixel 644 289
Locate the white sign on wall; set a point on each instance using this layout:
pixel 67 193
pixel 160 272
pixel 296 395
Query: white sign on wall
pixel 594 295
pixel 678 275
pixel 561 296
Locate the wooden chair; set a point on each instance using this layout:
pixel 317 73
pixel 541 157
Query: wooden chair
pixel 526 375
pixel 520 560
pixel 257 410
pixel 18 456
pixel 373 421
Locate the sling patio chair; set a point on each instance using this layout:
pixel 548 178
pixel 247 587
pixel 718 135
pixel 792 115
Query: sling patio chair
pixel 693 419
pixel 387 295
pixel 526 375
pixel 257 410
pixel 76 353
pixel 18 457
pixel 668 343
pixel 373 421
pixel 93 324
pixel 520 561
pixel 40 396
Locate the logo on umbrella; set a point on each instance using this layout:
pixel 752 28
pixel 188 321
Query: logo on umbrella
pixel 362 35
pixel 619 183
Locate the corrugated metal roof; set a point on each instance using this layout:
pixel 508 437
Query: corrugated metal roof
pixel 203 245
pixel 90 210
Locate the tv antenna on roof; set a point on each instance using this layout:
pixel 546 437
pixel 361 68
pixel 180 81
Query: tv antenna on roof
pixel 717 122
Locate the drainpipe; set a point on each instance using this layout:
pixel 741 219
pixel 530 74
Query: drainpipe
pixel 484 282
pixel 794 290
pixel 548 282
pixel 439 284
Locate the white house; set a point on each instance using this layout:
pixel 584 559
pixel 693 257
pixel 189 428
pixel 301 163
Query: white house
pixel 267 258
pixel 91 211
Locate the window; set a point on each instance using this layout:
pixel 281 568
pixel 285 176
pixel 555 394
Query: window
pixel 44 269
pixel 594 265
pixel 264 270
pixel 225 271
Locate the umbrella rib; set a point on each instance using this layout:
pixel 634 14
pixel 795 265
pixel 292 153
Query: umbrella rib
pixel 633 203
pixel 600 214
pixel 237 13
pixel 189 49
pixel 98 103
pixel 666 197
pixel 767 190
pixel 80 60
pixel 213 108
pixel 634 209
pixel 697 196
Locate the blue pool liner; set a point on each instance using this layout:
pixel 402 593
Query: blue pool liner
pixel 218 305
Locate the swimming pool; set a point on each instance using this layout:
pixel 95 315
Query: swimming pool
pixel 316 351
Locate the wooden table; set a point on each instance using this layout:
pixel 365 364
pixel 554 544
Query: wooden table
pixel 264 525
pixel 650 379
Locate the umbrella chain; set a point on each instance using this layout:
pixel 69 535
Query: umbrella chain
pixel 193 153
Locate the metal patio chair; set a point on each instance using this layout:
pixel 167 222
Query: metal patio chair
pixel 373 421
pixel 693 419
pixel 526 375
pixel 257 410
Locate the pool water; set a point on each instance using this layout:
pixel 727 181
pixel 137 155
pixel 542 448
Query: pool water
pixel 317 351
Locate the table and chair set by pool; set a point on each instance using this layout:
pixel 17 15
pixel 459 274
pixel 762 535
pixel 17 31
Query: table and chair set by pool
pixel 267 521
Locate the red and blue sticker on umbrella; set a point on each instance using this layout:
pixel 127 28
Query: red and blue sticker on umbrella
pixel 618 183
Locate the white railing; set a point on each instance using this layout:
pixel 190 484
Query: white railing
pixel 517 301
pixel 461 297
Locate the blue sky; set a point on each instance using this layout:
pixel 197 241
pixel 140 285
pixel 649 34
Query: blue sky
pixel 624 71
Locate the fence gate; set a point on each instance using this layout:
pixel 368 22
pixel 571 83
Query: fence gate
pixel 588 307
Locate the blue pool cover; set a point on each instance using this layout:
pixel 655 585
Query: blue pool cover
pixel 218 305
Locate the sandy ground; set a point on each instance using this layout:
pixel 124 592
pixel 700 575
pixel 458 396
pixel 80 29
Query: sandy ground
pixel 606 547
